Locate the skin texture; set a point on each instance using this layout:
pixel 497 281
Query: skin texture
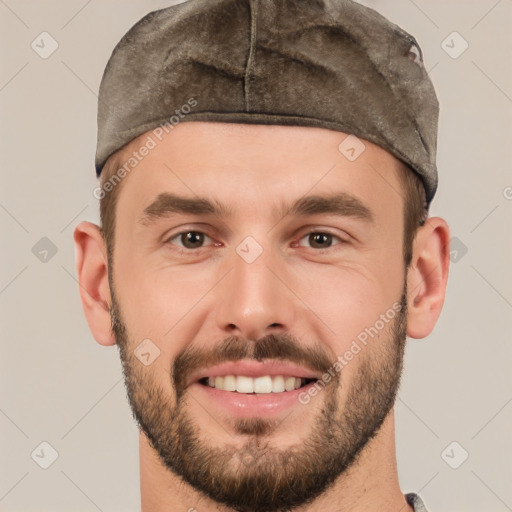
pixel 299 301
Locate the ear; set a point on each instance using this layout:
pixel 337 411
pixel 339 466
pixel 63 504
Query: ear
pixel 92 270
pixel 427 277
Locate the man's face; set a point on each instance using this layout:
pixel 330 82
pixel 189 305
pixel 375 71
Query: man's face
pixel 320 286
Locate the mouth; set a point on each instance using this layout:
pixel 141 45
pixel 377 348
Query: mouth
pixel 256 385
pixel 250 388
pixel 260 377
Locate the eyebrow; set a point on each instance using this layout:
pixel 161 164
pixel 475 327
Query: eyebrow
pixel 341 204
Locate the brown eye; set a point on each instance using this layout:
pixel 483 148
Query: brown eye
pixel 188 239
pixel 192 239
pixel 320 240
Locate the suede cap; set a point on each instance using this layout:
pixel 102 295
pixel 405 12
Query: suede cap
pixel 324 63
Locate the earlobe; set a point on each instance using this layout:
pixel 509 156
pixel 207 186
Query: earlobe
pixel 92 271
pixel 427 277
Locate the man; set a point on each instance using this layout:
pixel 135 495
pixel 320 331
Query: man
pixel 266 171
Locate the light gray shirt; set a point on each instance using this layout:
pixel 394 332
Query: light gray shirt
pixel 416 502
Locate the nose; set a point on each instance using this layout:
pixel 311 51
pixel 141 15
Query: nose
pixel 254 300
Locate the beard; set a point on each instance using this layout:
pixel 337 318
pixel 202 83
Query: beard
pixel 257 476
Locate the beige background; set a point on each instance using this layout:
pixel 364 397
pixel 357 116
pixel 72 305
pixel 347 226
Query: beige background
pixel 58 385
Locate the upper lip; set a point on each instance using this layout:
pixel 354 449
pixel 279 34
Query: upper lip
pixel 255 369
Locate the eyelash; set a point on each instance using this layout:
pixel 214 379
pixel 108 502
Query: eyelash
pixel 183 249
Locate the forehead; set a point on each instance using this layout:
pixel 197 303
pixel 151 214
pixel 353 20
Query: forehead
pixel 247 168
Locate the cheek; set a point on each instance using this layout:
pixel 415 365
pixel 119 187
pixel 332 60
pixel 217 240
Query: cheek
pixel 348 298
pixel 159 301
pixel 351 308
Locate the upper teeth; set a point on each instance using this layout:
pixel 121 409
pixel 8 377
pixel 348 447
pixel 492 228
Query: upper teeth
pixel 266 384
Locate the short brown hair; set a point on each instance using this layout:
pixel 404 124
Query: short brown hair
pixel 415 208
pixel 413 194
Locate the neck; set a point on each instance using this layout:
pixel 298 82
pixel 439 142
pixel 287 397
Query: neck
pixel 370 484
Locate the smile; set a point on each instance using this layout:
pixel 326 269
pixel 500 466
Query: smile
pixel 261 385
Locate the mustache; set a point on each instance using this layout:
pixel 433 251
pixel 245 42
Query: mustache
pixel 280 347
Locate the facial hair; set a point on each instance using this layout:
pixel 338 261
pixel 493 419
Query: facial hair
pixel 257 476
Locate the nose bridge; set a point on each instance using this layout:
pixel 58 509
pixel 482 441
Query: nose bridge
pixel 252 300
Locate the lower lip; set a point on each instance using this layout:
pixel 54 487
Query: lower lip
pixel 251 404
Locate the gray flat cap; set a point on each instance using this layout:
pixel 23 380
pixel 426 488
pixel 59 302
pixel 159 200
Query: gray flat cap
pixel 326 63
